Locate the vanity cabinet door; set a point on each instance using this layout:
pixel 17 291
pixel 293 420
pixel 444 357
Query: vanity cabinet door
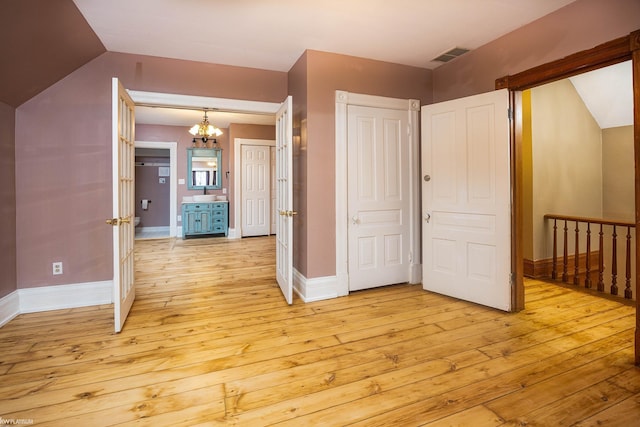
pixel 196 219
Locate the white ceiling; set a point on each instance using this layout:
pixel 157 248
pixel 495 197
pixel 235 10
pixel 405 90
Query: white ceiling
pixel 608 94
pixel 187 118
pixel 273 34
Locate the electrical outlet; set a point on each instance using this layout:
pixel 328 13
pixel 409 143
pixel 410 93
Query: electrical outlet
pixel 179 218
pixel 224 191
pixel 57 268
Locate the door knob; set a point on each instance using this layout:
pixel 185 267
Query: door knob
pixel 427 217
pixel 355 220
pixel 117 221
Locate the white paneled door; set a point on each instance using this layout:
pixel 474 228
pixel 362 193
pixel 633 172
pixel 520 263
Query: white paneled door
pixel 284 197
pixel 466 199
pixel 256 190
pixel 123 161
pixel 378 202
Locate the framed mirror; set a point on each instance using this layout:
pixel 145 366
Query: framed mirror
pixel 203 168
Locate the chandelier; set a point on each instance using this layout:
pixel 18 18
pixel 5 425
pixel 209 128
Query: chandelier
pixel 205 130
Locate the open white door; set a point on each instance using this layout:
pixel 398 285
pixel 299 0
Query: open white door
pixel 466 199
pixel 284 199
pixel 123 156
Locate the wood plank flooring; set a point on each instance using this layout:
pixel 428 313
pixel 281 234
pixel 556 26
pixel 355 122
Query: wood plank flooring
pixel 210 341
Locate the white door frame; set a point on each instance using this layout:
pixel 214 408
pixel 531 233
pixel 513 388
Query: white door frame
pixel 412 106
pixel 237 180
pixel 173 179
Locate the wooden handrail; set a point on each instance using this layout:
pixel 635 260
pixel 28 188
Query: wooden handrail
pixel 628 294
pixel 590 220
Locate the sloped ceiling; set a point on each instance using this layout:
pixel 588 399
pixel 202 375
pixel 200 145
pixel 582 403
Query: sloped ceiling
pixel 273 34
pixel 42 41
pixel 608 94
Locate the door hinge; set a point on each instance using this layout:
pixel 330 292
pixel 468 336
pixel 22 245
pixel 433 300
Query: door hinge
pixel 512 280
pixel 510 113
pixel 408 130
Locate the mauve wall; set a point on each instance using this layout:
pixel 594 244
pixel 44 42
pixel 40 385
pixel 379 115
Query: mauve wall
pixel 326 73
pixel 298 90
pixel 63 156
pixel 8 281
pixel 577 26
pixel 149 187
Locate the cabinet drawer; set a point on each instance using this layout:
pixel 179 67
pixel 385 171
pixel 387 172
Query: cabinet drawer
pixel 218 219
pixel 189 207
pixel 216 213
pixel 219 228
pixel 222 206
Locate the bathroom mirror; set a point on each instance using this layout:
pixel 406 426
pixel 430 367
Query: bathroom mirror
pixel 203 168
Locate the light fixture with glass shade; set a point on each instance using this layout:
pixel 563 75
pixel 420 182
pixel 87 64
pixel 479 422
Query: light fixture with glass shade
pixel 205 131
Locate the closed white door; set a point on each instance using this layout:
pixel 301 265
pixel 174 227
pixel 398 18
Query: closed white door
pixel 256 190
pixel 284 197
pixel 123 165
pixel 466 199
pixel 378 197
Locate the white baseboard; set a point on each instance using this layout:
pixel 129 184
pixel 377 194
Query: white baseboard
pixel 316 289
pixel 9 307
pixel 58 297
pixel 160 229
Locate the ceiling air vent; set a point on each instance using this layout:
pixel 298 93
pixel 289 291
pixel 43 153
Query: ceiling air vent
pixel 451 54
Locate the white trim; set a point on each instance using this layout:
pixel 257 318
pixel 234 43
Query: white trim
pixel 58 297
pixel 412 106
pixel 316 289
pixel 9 307
pixel 154 229
pixel 173 179
pixel 200 102
pixel 237 177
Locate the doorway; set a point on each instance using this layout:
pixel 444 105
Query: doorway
pixel 261 200
pixel 160 175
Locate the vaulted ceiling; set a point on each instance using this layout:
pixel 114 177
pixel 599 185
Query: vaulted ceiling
pixel 51 38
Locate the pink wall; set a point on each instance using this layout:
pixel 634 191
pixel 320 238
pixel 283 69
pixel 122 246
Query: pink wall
pixel 578 26
pixel 8 281
pixel 63 157
pixel 298 91
pixel 149 187
pixel 326 73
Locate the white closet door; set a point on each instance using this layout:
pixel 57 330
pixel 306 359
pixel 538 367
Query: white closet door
pixel 378 187
pixel 256 190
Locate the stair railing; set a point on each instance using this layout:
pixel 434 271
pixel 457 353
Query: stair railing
pixel 565 221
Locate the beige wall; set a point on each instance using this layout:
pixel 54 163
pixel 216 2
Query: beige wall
pixel 567 160
pixel 618 185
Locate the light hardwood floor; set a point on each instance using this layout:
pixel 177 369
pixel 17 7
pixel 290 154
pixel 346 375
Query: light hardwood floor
pixel 210 341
